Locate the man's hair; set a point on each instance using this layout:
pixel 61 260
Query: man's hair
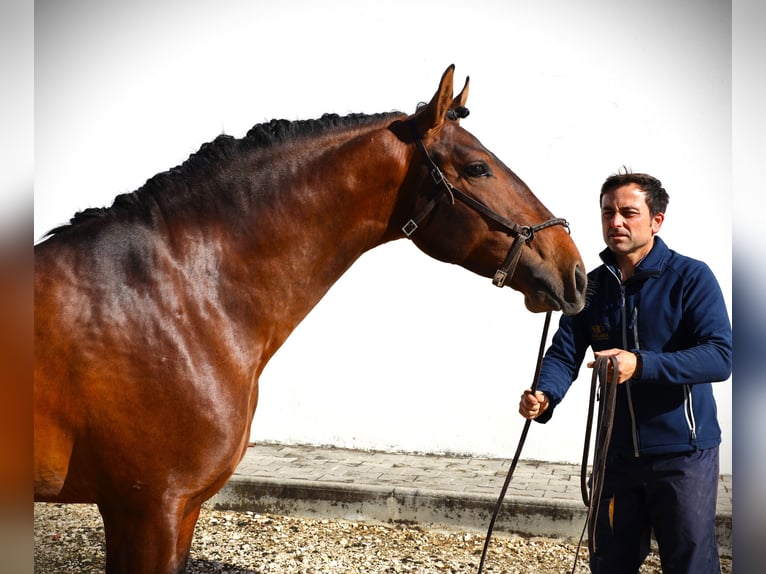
pixel 656 196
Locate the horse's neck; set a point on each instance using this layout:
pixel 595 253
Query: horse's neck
pixel 308 217
pixel 329 209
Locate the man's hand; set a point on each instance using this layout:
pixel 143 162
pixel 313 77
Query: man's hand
pixel 531 405
pixel 626 364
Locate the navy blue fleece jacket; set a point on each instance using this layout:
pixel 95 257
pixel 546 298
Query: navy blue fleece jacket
pixel 672 312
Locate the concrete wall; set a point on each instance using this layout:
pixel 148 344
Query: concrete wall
pixel 405 353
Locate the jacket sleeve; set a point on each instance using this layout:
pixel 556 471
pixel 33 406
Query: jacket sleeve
pixel 707 356
pixel 562 361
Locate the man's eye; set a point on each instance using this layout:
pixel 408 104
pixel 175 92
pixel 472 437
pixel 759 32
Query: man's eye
pixel 477 170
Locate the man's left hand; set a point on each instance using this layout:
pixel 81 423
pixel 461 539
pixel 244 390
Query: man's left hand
pixel 626 363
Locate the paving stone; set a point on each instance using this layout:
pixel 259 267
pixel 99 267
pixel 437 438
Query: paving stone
pixel 543 498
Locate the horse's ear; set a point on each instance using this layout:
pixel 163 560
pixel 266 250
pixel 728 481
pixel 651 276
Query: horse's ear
pixel 462 97
pixel 429 120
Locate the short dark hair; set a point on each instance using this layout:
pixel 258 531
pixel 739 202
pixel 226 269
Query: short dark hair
pixel 656 196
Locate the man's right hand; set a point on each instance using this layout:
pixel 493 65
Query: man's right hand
pixel 531 405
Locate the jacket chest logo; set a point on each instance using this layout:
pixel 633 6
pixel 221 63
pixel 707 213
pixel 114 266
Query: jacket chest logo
pixel 599 333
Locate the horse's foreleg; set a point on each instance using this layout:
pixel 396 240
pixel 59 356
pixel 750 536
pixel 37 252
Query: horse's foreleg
pixel 152 540
pixel 186 533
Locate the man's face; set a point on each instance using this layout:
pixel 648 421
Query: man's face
pixel 627 225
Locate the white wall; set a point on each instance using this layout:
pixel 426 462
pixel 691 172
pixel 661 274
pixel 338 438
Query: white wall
pixel 404 352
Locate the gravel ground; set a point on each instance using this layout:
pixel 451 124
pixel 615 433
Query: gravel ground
pixel 69 539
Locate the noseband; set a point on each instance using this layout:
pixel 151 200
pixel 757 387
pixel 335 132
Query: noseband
pixel 522 233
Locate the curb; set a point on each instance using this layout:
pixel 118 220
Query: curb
pixel 434 509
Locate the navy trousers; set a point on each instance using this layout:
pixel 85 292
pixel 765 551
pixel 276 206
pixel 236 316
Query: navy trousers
pixel 673 496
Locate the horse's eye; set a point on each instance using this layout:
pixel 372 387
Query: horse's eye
pixel 477 170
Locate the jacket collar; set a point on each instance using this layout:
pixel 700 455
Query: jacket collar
pixel 650 266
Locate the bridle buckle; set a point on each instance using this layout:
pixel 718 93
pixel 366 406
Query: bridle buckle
pixel 409 228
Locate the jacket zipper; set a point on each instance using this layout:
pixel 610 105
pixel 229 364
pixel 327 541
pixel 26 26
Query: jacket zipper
pixel 624 317
pixel 624 312
pixel 689 412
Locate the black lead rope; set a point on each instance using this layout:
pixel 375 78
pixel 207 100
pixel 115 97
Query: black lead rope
pixel 523 438
pixel 607 389
pixel 607 392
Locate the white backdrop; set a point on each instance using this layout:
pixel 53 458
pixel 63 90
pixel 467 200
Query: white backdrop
pixel 405 353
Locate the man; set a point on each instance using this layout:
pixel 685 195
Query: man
pixel 663 317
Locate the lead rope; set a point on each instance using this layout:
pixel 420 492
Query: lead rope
pixel 605 423
pixel 523 438
pixel 607 389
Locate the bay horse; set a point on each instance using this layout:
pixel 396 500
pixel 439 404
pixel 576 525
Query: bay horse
pixel 155 317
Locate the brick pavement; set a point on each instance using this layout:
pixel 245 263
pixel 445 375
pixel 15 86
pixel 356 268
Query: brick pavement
pixel 431 490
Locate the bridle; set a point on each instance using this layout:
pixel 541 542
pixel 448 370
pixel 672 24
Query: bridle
pixel 523 234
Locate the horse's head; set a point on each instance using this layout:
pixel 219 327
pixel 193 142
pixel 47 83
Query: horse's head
pixel 469 208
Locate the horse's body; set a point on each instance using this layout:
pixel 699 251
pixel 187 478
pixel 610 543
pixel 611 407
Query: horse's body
pixel 155 318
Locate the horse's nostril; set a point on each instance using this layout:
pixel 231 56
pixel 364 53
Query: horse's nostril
pixel 574 293
pixel 581 279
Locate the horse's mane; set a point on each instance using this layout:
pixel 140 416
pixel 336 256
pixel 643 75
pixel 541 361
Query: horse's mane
pixel 223 147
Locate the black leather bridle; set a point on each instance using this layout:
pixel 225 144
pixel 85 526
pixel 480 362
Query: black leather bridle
pixel 523 234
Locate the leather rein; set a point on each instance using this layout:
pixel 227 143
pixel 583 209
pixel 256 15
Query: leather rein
pixel 522 234
pixel 522 439
pixel 605 389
